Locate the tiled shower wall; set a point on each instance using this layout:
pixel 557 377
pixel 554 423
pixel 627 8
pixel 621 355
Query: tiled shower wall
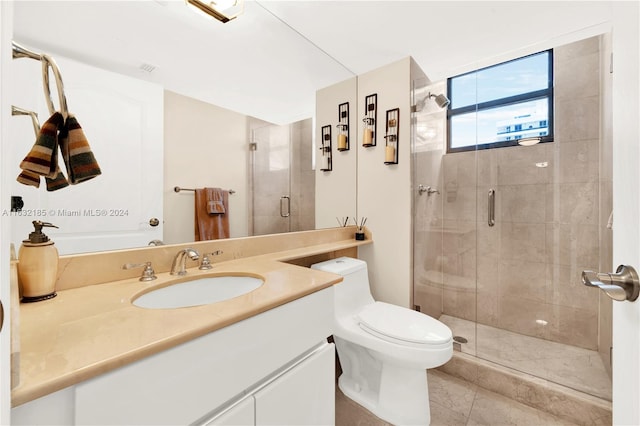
pixel 548 219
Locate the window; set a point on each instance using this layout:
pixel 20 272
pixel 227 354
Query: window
pixel 498 105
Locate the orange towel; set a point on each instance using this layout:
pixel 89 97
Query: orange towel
pixel 210 226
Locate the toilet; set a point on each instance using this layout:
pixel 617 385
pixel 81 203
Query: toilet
pixel 384 349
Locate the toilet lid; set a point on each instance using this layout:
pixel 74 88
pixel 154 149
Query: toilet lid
pixel 403 324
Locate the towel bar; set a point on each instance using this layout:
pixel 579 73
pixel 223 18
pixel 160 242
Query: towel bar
pixel 178 189
pixel 47 61
pixel 34 117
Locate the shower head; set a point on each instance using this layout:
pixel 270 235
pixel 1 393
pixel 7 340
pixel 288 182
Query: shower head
pixel 440 99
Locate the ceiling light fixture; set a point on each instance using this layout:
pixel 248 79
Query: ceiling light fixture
pixel 529 141
pixel 222 10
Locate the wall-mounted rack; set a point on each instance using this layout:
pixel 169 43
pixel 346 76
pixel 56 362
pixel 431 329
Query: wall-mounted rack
pixel 343 126
pixel 327 164
pixel 34 117
pixel 47 61
pixel 370 118
pixel 178 189
pixel 391 136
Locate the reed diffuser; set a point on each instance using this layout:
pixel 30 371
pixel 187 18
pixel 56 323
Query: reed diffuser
pixel 360 229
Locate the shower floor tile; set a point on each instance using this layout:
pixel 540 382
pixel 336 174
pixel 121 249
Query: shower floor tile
pixel 577 368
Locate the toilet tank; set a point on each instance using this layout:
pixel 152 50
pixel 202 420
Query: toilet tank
pixel 353 292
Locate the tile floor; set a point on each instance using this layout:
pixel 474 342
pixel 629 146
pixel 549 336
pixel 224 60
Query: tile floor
pixel 454 402
pixel 577 368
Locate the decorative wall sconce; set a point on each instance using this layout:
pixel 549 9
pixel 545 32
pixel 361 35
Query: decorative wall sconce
pixel 391 136
pixel 343 127
pixel 370 117
pixel 327 163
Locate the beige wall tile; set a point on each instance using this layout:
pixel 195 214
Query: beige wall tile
pixel 577 161
pixel 523 280
pixel 572 244
pixel 517 165
pixel 576 49
pixel 566 288
pixel 578 203
pixel 577 118
pixel 574 326
pixel 578 76
pixel 522 241
pixel 521 203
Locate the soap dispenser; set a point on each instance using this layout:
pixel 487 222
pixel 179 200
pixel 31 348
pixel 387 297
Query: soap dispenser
pixel 38 265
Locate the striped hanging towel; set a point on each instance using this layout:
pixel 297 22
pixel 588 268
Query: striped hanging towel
pixel 42 160
pixel 79 160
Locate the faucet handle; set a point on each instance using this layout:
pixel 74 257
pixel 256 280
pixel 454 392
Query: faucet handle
pixel 148 274
pixel 206 262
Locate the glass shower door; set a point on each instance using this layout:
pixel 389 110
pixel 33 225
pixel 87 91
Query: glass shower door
pixel 500 246
pixel 270 180
pixel 445 222
pixel 282 178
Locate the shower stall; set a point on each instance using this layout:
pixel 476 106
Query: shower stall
pixel 502 235
pixel 281 177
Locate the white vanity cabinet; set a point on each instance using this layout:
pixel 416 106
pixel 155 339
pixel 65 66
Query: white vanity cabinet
pixel 242 412
pixel 301 394
pixel 278 359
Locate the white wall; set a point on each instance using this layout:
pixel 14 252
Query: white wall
pixel 336 190
pixel 626 207
pixel 6 29
pixel 384 191
pixel 204 146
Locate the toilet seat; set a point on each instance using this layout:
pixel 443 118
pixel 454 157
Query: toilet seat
pixel 401 325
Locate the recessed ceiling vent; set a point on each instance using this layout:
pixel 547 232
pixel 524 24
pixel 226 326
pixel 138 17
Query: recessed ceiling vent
pixel 147 67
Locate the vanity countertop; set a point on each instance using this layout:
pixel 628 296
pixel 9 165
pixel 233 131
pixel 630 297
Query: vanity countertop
pixel 90 330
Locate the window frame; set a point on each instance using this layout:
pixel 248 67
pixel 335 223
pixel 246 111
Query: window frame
pixel 510 100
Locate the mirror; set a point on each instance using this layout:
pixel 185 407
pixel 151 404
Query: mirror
pixel 214 79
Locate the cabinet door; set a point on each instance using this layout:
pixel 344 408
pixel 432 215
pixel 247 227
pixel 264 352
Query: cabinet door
pixel 304 395
pixel 242 413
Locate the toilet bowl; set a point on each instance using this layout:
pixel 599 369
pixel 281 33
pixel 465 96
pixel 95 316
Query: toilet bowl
pixel 384 349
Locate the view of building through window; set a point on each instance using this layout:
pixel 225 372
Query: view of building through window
pixel 498 105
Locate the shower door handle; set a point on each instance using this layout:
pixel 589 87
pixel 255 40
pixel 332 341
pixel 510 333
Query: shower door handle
pixel 621 285
pixel 285 206
pixel 491 214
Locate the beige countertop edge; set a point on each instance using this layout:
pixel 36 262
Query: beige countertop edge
pixel 38 379
pixel 298 253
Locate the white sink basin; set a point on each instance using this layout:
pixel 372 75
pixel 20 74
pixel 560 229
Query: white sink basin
pixel 200 291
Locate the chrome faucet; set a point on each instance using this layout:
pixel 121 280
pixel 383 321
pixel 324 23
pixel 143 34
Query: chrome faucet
pixel 179 265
